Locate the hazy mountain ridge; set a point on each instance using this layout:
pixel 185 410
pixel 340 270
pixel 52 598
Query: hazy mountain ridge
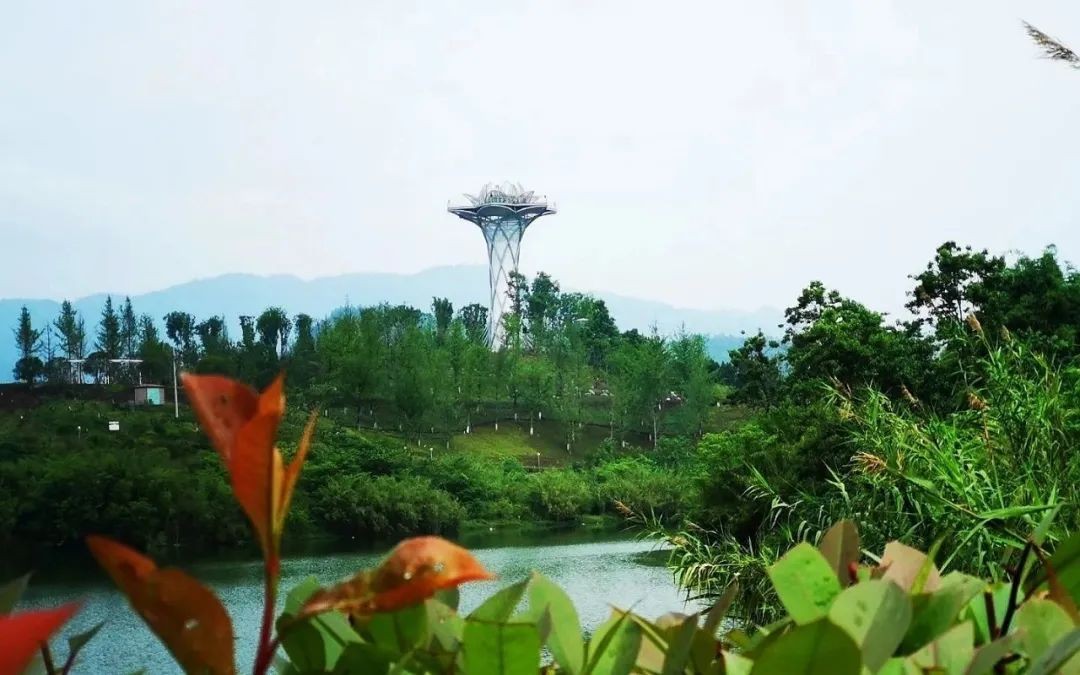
pixel 232 295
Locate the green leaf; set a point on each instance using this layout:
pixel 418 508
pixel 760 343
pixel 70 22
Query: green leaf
pixel 738 639
pixel 449 597
pixel 1042 623
pixel 976 612
pixel 654 645
pixel 735 664
pixel 766 635
pixel 315 644
pixel 805 583
pixel 399 631
pixel 564 638
pixel 361 657
pixel 935 612
pixel 840 548
pixel 1039 535
pixel 306 647
pixel 1066 563
pixel 614 647
pixel 904 566
pixel 1054 658
pixel 500 606
pixel 895 666
pixel 77 642
pixel 283 666
pixel 928 568
pixel 299 595
pixel 679 644
pixel 446 626
pixel 818 648
pixel 496 648
pixel 876 614
pixel 720 609
pixel 11 592
pixel 987 656
pixel 949 654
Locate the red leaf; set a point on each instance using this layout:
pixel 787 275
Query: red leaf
pixel 23 634
pixel 415 570
pixel 222 407
pixel 183 613
pixel 243 425
pixel 255 471
pixel 292 473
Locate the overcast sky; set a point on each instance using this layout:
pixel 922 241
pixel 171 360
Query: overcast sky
pixel 709 154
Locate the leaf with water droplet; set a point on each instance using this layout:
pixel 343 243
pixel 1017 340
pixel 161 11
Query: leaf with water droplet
pixel 187 616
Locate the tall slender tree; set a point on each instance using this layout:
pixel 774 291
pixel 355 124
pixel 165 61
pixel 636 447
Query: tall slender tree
pixel 180 329
pixel 274 329
pixel 56 367
pixel 109 343
pixel 213 335
pixel 28 341
pixel 71 332
pixel 474 318
pixel 443 310
pixel 303 363
pixel 129 330
pixel 156 363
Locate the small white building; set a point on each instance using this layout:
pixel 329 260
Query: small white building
pixel 149 394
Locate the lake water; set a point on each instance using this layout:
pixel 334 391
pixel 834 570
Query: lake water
pixel 596 573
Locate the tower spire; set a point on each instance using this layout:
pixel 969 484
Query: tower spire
pixel 502 212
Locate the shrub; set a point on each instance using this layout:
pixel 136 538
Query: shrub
pixel 560 494
pixel 385 506
pixel 640 485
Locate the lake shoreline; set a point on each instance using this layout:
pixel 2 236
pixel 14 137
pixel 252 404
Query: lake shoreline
pixel 60 564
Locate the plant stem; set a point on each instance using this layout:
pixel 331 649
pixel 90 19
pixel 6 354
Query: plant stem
pixel 267 645
pixel 46 657
pixel 1017 579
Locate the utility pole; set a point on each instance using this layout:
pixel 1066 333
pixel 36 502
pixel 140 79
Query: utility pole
pixel 175 398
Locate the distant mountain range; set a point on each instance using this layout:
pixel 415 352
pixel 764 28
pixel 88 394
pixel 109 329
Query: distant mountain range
pixel 232 295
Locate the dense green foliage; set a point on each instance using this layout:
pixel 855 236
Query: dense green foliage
pixel 961 423
pixel 840 616
pixel 155 483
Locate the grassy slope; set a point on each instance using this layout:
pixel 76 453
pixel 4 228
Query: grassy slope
pixel 512 439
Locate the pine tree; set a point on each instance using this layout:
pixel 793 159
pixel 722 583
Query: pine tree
pixel 443 310
pixel 109 341
pixel 108 344
pixel 156 357
pixel 129 330
pixel 28 342
pixel 72 334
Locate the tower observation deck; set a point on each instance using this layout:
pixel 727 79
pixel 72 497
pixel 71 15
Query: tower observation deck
pixel 502 212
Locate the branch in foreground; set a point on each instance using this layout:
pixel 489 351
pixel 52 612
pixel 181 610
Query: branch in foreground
pixel 1052 49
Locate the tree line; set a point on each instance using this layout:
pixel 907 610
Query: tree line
pixel 829 337
pixel 125 347
pixel 404 369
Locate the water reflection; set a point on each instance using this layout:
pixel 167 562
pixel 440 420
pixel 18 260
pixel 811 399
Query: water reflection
pixel 594 574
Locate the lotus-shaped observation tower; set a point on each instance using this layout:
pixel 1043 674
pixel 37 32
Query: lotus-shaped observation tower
pixel 502 212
